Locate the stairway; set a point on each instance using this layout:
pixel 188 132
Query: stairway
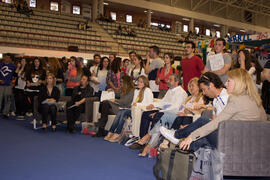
pixel 117 48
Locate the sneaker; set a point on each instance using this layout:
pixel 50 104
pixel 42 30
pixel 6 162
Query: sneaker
pixel 12 113
pixel 131 141
pixel 29 114
pixel 169 134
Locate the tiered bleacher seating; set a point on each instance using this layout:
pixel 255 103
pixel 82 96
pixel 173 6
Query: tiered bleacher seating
pixel 49 30
pixel 145 37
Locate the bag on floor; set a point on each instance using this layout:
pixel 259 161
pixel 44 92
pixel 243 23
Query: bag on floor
pixel 208 165
pixel 173 164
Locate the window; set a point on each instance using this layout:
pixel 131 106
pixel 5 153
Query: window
pixel 129 18
pixel 113 15
pixel 207 32
pixel 54 6
pixel 33 3
pixel 154 24
pixel 76 10
pixel 185 28
pixel 197 30
pixel 8 1
pixel 218 34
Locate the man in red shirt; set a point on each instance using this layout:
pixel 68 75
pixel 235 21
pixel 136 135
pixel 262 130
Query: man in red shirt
pixel 192 66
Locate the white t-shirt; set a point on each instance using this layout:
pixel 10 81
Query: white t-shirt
pixel 220 102
pixel 136 74
pixel 148 97
pixel 101 78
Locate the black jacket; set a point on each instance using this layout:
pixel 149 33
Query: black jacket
pixel 79 93
pixel 43 94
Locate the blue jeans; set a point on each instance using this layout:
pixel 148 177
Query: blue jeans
pixel 168 118
pixel 210 139
pixel 119 121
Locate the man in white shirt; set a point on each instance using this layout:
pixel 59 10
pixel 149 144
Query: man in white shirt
pixel 153 63
pixel 131 65
pixel 171 102
pixel 212 87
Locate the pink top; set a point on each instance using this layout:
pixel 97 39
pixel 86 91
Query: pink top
pixel 163 79
pixel 72 74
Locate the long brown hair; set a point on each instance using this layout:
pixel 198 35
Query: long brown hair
pixel 146 85
pixel 54 65
pixel 127 85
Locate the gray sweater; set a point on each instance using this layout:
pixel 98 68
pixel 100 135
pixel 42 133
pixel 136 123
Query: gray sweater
pixel 123 102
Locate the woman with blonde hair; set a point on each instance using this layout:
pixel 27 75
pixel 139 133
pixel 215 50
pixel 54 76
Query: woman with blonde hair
pixel 48 96
pixel 184 117
pixel 55 67
pixel 244 104
pixel 143 96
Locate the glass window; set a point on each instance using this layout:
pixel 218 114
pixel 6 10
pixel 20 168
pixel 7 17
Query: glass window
pixel 207 32
pixel 54 6
pixel 129 18
pixel 8 1
pixel 185 28
pixel 33 3
pixel 76 10
pixel 197 30
pixel 218 34
pixel 113 15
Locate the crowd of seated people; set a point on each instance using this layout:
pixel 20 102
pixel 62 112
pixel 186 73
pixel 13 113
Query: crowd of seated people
pixel 22 7
pixel 212 96
pixel 125 31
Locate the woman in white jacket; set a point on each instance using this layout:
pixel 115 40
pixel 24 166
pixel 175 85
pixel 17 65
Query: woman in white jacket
pixel 143 96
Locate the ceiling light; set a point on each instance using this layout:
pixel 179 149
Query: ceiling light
pixel 146 12
pixel 216 25
pixel 242 30
pixel 106 4
pixel 186 19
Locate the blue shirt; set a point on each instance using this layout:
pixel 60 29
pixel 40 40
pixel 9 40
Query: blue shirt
pixel 6 73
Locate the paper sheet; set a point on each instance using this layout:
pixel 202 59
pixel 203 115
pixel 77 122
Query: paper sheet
pixel 216 61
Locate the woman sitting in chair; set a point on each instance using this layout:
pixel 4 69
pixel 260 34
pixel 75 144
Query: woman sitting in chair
pixel 143 96
pixel 48 97
pixel 244 104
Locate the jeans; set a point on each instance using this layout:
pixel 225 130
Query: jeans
pixel 6 94
pixel 146 119
pixel 172 120
pixel 210 139
pixel 47 110
pixel 119 121
pixel 168 118
pixel 73 114
pixel 105 110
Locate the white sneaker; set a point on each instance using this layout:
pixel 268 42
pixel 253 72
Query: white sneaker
pixel 169 134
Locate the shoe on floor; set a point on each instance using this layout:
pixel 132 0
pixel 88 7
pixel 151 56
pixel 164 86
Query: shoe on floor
pixel 6 116
pixel 20 118
pixel 136 146
pixel 169 134
pixel 12 113
pixel 29 114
